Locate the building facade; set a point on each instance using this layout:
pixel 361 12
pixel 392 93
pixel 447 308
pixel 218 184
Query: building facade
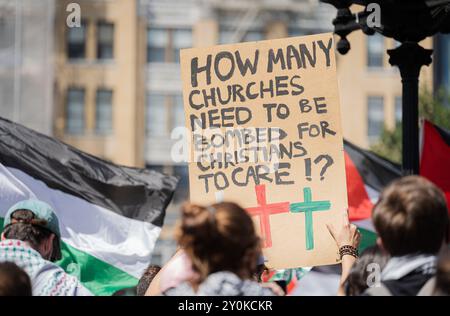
pixel 26 62
pixel 99 82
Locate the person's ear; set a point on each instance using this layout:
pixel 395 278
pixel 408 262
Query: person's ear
pixel 380 244
pixel 50 241
pixel 47 246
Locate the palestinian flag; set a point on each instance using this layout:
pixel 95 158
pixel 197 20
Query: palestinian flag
pixel 110 216
pixel 435 156
pixel 367 174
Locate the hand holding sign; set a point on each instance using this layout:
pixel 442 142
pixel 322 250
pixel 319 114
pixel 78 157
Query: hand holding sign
pixel 344 233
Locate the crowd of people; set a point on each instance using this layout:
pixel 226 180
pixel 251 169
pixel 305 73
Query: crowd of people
pixel 220 252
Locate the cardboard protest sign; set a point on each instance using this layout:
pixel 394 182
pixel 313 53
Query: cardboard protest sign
pixel 265 132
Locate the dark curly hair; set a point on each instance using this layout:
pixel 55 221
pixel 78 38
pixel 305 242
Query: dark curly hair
pixel 220 237
pixel 146 279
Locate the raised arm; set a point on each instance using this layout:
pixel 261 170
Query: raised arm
pixel 347 238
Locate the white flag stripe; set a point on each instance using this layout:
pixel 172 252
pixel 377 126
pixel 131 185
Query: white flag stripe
pixel 372 193
pixel 120 241
pixel 365 224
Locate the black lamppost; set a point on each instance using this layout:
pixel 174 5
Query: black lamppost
pixel 408 22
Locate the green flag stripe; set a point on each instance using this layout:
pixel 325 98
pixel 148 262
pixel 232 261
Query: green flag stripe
pixel 368 238
pixel 96 275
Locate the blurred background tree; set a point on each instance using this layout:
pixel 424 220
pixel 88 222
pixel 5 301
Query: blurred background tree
pixel 434 108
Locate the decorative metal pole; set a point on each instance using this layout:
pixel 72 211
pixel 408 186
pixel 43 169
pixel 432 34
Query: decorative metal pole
pixel 409 57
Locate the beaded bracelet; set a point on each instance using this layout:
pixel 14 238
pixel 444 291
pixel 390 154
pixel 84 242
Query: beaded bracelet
pixel 348 250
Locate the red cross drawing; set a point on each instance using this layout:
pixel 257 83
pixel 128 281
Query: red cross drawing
pixel 264 210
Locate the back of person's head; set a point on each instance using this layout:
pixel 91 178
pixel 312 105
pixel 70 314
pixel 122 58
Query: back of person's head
pixel 147 278
pixel 372 259
pixel 220 237
pixel 26 227
pixel 13 280
pixel 411 217
pixel 443 274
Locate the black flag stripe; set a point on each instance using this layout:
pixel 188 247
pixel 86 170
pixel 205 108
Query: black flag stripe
pixel 445 134
pixel 376 171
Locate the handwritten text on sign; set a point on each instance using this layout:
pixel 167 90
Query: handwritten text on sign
pixel 265 133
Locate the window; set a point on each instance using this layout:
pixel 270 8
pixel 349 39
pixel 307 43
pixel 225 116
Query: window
pixel 76 41
pixel 157 41
pixel 105 40
pixel 177 111
pixel 295 31
pixel 164 113
pixel 375 117
pixel 163 45
pixel 156 117
pixel 180 39
pixel 253 36
pixel 398 110
pixel 103 112
pixel 375 50
pixel 226 36
pixel 75 111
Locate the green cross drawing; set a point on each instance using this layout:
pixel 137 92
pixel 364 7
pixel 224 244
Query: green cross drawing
pixel 308 207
